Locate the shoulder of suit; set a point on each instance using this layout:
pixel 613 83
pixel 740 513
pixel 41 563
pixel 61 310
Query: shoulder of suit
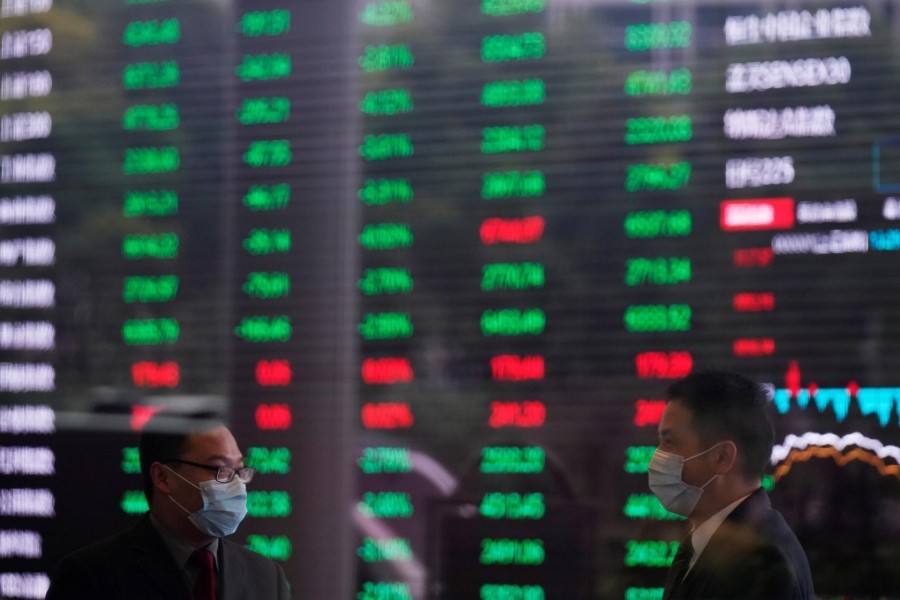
pixel 248 556
pixel 112 546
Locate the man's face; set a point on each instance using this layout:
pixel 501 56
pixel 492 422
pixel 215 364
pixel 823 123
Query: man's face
pixel 677 436
pixel 216 448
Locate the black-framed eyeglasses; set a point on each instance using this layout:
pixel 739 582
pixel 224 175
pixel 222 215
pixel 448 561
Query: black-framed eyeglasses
pixel 223 474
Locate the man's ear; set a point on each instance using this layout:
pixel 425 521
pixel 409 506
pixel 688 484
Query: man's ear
pixel 724 455
pixel 161 478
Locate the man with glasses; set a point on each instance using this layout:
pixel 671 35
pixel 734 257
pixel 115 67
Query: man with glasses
pixel 195 482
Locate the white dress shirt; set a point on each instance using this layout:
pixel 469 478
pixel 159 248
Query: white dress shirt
pixel 701 535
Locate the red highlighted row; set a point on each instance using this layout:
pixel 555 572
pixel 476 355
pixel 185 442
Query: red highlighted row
pixel 155 375
pixel 387 415
pixel 506 367
pixel 752 257
pixel 399 415
pixel 750 347
pixel 754 302
pixel 529 413
pixel 526 230
pixel 271 373
pixel 273 416
pixel 648 412
pixel 386 371
pixel 510 367
pixel 268 417
pixel 663 365
pixel 757 214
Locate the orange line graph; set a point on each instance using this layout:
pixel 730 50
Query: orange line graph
pixel 839 457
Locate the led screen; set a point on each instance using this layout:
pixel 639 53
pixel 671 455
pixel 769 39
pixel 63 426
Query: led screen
pixel 436 263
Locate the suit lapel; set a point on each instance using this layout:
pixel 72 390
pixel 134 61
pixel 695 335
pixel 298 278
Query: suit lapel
pixel 721 545
pixel 232 570
pixel 704 571
pixel 692 584
pixel 152 558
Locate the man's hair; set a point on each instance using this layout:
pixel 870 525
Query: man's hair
pixel 728 406
pixel 165 436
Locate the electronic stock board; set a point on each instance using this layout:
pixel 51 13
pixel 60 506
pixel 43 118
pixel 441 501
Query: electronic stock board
pixel 435 263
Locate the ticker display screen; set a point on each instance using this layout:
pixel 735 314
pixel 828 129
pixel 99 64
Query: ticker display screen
pixel 435 263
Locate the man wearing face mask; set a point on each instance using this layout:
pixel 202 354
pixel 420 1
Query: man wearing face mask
pixel 715 439
pixel 195 481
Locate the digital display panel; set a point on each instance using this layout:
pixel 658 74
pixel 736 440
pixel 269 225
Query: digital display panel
pixel 436 263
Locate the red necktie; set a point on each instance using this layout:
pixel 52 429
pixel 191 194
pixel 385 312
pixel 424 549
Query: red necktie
pixel 205 588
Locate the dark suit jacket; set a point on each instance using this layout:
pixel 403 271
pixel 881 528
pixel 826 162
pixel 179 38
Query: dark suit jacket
pixel 753 554
pixel 137 565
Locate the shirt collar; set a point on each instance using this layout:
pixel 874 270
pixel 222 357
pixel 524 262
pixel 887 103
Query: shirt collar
pixel 701 535
pixel 179 550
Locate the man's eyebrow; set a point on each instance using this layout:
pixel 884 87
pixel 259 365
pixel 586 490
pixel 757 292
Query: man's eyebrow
pixel 224 458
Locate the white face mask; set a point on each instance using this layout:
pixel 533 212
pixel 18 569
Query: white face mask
pixel 666 483
pixel 224 506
